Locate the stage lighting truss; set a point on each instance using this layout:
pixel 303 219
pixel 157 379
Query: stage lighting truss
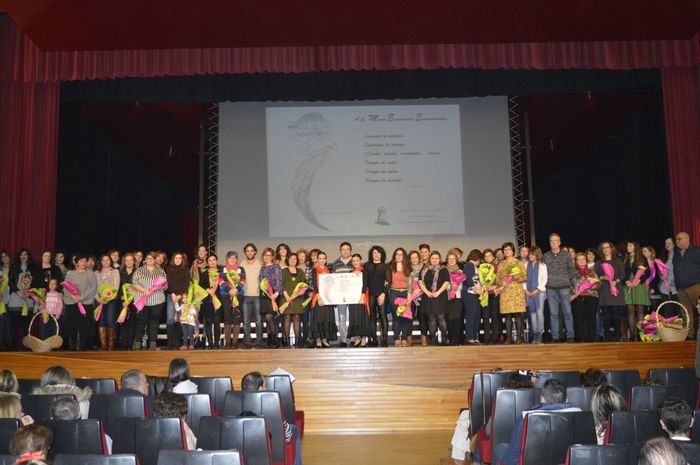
pixel 212 176
pixel 518 166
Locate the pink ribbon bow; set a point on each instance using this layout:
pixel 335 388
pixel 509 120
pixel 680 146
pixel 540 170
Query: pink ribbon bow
pixel 610 274
pixel 72 288
pixel 157 284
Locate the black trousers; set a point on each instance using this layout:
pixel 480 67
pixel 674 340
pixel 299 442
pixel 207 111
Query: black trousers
pixel 78 327
pixel 611 319
pixel 378 313
pixel 492 320
pixel 472 316
pixel 584 311
pixel 212 322
pixel 148 317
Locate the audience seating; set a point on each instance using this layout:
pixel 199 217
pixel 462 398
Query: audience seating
pixel 27 386
pixel 649 397
pixel 198 406
pixel 6 459
pixel 684 376
pixel 200 457
pixel 480 405
pixel 632 427
pixel 91 459
pixel 98 385
pixel 268 405
pixel 624 380
pixel 215 386
pixel 156 385
pixel 695 436
pixel 145 437
pixel 283 385
pixel 611 454
pixel 76 437
pixel 580 396
pixel 246 434
pixel 547 436
pixel 108 408
pixel 38 406
pixel 692 452
pixel 8 426
pixel 569 378
pixel 508 406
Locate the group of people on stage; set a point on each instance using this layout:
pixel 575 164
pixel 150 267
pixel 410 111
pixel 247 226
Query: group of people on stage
pixel 117 301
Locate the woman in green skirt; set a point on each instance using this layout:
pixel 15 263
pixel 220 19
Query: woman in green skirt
pixel 636 292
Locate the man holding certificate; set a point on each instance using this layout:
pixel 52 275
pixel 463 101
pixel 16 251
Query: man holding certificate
pixel 343 265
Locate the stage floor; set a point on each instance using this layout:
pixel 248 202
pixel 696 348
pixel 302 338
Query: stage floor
pixel 371 390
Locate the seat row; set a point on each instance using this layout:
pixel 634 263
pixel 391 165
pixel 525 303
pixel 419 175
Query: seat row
pixel 165 457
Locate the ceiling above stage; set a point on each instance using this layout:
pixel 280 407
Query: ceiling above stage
pixel 148 24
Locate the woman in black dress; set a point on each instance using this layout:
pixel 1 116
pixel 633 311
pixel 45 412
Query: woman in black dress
pixel 322 320
pixel 434 285
pixel 360 326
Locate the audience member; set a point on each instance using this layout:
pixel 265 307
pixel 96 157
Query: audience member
pixel 135 383
pixel 31 443
pixel 9 384
pixel 593 378
pixel 676 418
pixel 179 377
pixel 67 408
pixel 661 451
pixel 169 405
pixel 606 399
pixel 11 407
pixel 58 380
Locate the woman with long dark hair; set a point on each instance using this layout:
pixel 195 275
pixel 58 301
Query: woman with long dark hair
pixel 125 330
pixel 322 320
pixel 209 279
pixel 454 297
pixel 399 282
pixel 178 276
pixel 417 272
pixel 23 276
pixel 636 292
pixel 434 285
pixel 668 287
pixel 47 271
pixel 470 297
pixel 108 275
pixel 490 313
pixel 612 304
pixel 292 276
pixel 377 283
pixel 281 254
pixel 360 325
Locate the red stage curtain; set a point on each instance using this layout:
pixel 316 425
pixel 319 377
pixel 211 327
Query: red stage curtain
pixel 681 94
pixel 28 144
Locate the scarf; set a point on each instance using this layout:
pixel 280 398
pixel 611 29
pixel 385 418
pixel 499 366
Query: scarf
pixel 533 273
pixel 436 274
pixel 585 271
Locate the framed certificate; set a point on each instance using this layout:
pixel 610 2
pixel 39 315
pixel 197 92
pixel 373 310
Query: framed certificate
pixel 340 288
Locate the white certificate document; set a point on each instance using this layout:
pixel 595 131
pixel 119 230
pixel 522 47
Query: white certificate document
pixel 340 288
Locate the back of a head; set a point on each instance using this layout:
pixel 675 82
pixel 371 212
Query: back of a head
pixel 131 379
pixel 252 382
pixel 605 400
pixel 519 381
pixel 661 451
pixel 57 375
pixel 676 415
pixel 169 405
pixel 179 371
pixel 31 438
pixel 10 407
pixel 65 408
pixel 8 381
pixel 554 391
pixel 593 377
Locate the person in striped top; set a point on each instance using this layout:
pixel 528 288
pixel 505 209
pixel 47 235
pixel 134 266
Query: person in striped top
pixel 155 304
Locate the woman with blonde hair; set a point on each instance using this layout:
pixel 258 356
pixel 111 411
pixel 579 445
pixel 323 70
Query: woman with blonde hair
pixel 605 400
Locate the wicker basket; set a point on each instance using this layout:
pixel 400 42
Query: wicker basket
pixel 675 335
pixel 43 345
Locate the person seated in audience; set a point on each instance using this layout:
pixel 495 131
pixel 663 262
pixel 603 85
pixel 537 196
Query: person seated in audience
pixel 135 383
pixel 31 443
pixel 67 408
pixel 170 405
pixel 179 377
pixel 9 386
pixel 662 451
pixel 253 382
pixel 605 400
pixel 552 399
pixel 676 418
pixel 58 380
pixel 593 378
pixel 11 407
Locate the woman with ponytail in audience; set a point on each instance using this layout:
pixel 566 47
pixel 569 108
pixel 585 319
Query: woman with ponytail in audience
pixel 490 313
pixel 585 300
pixel 106 274
pixel 322 321
pixel 454 298
pixel 612 306
pixel 125 330
pixel 636 292
pixel 273 273
pixel 377 280
pixel 434 285
pixel 399 285
pixel 510 276
pixel 359 323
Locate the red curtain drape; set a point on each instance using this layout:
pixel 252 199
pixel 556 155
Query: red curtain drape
pixel 681 94
pixel 28 144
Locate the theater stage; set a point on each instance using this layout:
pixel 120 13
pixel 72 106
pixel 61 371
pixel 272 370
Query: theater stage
pixel 387 392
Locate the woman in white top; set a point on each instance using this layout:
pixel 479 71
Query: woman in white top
pixel 668 287
pixel 535 292
pixel 107 274
pixel 179 377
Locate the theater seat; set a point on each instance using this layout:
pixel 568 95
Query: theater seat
pixel 215 386
pixel 649 397
pixel 612 454
pixel 38 406
pixel 145 437
pixel 623 380
pixel 283 385
pixel 692 452
pixel 684 376
pixel 198 406
pixel 76 437
pixel 268 405
pixel 6 459
pixel 108 408
pixel 508 406
pixel 695 434
pixel 8 426
pixel 88 459
pixel 569 378
pixel 98 385
pixel 632 427
pixel 480 406
pixel 246 434
pixel 157 385
pixel 27 386
pixel 201 457
pixel 580 396
pixel 547 436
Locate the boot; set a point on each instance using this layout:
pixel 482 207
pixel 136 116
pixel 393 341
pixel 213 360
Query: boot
pixel 423 340
pixel 235 331
pixel 136 345
pixel 409 341
pixel 111 337
pixel 227 335
pixel 103 338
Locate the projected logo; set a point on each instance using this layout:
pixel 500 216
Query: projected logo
pixel 312 135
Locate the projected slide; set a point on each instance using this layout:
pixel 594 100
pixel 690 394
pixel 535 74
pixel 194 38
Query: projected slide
pixel 364 170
